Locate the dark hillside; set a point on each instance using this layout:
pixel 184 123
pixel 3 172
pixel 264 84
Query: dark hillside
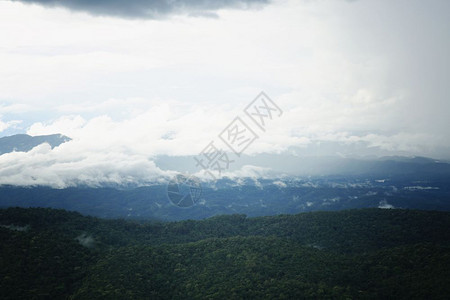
pixel 369 253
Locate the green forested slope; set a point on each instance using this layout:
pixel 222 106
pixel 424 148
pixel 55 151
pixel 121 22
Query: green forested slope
pixel 354 254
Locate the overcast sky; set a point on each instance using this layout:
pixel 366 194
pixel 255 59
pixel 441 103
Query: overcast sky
pixel 130 80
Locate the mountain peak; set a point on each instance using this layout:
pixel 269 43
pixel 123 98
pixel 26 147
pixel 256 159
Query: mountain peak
pixel 25 142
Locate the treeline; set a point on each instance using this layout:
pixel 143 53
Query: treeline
pixel 356 254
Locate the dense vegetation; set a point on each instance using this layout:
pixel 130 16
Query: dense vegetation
pixel 356 254
pixel 262 197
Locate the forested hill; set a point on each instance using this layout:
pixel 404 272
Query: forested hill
pixel 369 253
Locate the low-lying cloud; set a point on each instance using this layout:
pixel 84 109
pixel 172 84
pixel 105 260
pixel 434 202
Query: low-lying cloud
pixel 86 240
pixel 123 151
pixel 64 166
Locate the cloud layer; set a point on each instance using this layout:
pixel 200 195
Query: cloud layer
pixel 360 77
pixel 152 9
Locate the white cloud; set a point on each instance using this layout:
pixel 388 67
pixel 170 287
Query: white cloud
pixel 384 205
pixel 86 240
pixel 128 90
pixel 249 171
pixel 280 184
pixel 15 108
pixel 6 125
pixel 66 166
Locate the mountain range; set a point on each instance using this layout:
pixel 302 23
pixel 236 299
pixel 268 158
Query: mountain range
pixel 337 183
pixel 25 142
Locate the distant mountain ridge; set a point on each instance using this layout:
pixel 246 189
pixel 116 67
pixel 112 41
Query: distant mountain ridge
pixel 288 185
pixel 250 196
pixel 318 165
pixel 25 142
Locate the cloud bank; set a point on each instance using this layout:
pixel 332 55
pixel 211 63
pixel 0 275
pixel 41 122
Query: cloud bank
pixel 148 9
pixel 364 78
pixel 62 167
pixel 123 152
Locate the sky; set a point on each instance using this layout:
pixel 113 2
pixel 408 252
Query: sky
pixel 131 80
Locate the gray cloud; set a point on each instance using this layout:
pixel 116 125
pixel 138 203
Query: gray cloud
pixel 151 9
